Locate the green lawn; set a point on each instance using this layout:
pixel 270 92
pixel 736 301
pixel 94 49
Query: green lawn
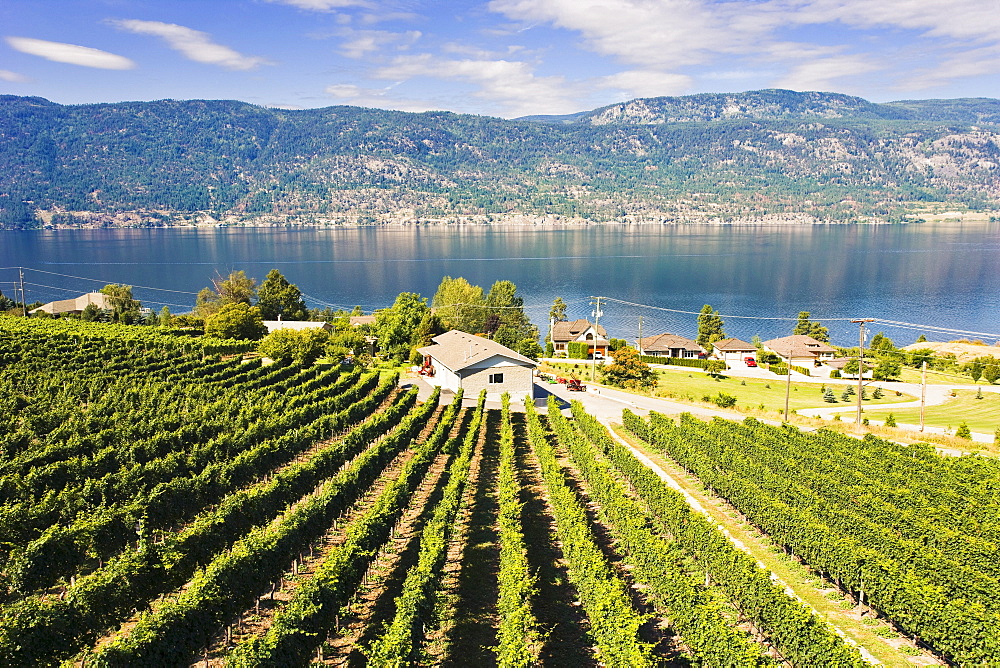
pixel 749 392
pixel 982 415
pixel 911 375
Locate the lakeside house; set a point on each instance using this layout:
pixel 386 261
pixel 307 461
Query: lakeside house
pixel 459 360
pixel 734 352
pixel 670 345
pixel 582 331
pixel 800 350
pixel 77 305
pixel 362 320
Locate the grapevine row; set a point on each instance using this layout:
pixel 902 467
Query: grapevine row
pixel 698 619
pixel 614 624
pixel 308 618
pixel 519 639
pixel 399 644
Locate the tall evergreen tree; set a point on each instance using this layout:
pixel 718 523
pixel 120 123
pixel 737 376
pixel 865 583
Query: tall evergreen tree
pixel 806 327
pixel 709 327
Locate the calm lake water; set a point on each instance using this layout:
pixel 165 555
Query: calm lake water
pixel 943 275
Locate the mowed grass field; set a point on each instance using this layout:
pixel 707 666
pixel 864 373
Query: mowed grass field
pixel 982 415
pixel 694 385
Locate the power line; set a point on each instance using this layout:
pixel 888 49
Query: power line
pixel 101 280
pixel 903 325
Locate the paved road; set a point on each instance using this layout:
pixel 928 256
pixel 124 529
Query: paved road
pixel 936 395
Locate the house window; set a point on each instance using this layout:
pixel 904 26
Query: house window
pixel 496 378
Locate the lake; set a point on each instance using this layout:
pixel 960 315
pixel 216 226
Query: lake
pixel 930 275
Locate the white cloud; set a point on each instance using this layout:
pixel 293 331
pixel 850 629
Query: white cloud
pixel 668 36
pixel 193 44
pixel 381 98
pixel 646 83
pixel 511 86
pixel 662 34
pixel 984 61
pixel 363 42
pixel 70 53
pixel 12 77
pixel 960 19
pixel 323 5
pixel 823 73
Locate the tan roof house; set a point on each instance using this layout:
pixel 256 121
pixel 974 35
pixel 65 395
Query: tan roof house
pixel 733 351
pixel 76 306
pixel 461 360
pixel 800 350
pixel 359 320
pixel 581 330
pixel 669 345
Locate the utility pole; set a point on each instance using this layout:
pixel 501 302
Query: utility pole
pixel 597 328
pixel 861 360
pixel 923 392
pixel 638 343
pixel 788 383
pixel 24 302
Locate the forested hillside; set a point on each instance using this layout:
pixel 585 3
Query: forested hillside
pixel 775 155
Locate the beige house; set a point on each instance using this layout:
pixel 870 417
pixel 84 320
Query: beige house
pixel 669 345
pixel 801 350
pixel 580 330
pixel 76 306
pixel 733 352
pixel 460 360
pixel 359 320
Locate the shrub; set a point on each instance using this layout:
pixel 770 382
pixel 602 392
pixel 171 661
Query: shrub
pixel 890 421
pixel 835 373
pixel 723 400
pixel 963 431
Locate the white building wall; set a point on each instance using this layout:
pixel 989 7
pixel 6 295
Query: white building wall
pixel 444 377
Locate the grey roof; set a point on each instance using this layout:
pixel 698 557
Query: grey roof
pixel 734 345
pixel 798 345
pixel 459 350
pixel 667 342
pixel 568 330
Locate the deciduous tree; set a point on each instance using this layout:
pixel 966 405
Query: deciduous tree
pixel 236 321
pixel 628 370
pixel 276 298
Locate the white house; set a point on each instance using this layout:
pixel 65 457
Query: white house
pixel 461 360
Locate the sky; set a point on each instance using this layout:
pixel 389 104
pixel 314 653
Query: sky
pixel 505 58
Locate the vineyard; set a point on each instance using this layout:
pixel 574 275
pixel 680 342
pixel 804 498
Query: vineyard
pixel 164 501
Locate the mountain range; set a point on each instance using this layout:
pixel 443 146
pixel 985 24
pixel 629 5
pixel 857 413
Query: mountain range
pixel 769 156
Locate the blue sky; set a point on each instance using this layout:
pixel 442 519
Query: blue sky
pixel 497 57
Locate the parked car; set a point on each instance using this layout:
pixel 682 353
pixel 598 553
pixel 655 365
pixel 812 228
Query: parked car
pixel 598 356
pixel 750 361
